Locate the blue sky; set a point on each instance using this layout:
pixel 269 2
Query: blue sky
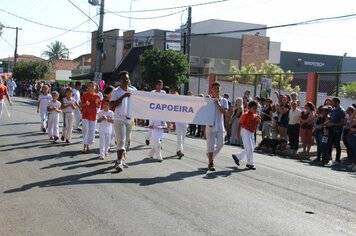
pixel 332 37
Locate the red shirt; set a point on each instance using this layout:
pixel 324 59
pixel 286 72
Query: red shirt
pixel 3 91
pixel 89 112
pixel 249 121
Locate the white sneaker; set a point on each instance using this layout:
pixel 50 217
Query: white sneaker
pixel 102 157
pixel 125 165
pixel 119 167
pixel 160 159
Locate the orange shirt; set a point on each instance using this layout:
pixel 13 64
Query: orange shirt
pixel 249 121
pixel 3 91
pixel 89 112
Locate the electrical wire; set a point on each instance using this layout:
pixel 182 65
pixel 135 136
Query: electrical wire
pixel 41 24
pixel 7 42
pixel 56 36
pixel 83 12
pixel 172 8
pixel 146 18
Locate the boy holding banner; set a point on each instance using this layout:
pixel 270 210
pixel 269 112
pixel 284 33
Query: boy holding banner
pixel 215 133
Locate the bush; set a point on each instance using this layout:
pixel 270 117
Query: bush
pixel 348 90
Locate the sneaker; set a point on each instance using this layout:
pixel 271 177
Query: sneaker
pixel 147 142
pixel 125 165
pixel 44 130
pixel 236 159
pixel 119 167
pixel 250 167
pixel 67 141
pixel 107 154
pixel 55 138
pixel 180 154
pixel 211 167
pixel 62 138
pixel 160 159
pixel 336 164
pixel 101 157
pixel 318 159
pixel 51 138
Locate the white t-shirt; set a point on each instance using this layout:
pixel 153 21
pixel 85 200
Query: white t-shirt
pixel 53 104
pixel 106 127
pixel 44 100
pixel 76 95
pixel 65 101
pixel 11 85
pixel 121 111
pixel 219 117
pixel 294 116
pixel 155 91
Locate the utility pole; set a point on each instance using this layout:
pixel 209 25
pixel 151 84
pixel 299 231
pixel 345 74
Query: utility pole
pixel 99 41
pixel 16 41
pixel 189 32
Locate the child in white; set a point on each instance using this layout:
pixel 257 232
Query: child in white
pixel 43 99
pixel 156 128
pixel 68 107
pixel 105 121
pixel 181 130
pixel 53 108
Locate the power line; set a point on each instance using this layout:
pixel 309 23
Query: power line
pixel 83 12
pixel 81 44
pixel 146 18
pixel 42 41
pixel 7 42
pixel 41 24
pixel 171 8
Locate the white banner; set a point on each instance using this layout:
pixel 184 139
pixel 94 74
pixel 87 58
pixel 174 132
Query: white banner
pixel 169 107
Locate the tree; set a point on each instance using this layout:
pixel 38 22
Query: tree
pixel 280 78
pixel 169 66
pixel 56 51
pixel 349 90
pixel 31 70
pixel 1 27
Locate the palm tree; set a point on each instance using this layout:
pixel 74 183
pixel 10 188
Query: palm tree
pixel 56 51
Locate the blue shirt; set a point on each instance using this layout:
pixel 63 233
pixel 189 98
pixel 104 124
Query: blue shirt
pixel 336 115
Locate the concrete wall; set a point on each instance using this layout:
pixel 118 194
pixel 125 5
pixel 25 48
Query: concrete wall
pixel 200 85
pixel 63 74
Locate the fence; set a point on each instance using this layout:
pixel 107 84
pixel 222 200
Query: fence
pixel 329 84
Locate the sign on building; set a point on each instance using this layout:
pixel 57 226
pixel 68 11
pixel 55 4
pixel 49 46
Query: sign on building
pixel 173 41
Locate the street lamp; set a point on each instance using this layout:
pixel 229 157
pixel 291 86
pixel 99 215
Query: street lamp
pixel 339 70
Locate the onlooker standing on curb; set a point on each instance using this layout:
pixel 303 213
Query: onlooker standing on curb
pixel 122 120
pixel 266 114
pixel 293 127
pixel 215 133
pixel 336 123
pixel 307 119
pixel 247 128
pixel 346 136
pixel 239 110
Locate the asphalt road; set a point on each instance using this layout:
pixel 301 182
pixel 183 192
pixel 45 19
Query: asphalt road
pixel 54 189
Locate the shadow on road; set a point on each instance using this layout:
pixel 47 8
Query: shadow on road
pixel 64 154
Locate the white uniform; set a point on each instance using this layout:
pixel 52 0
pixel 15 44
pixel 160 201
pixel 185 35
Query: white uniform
pixel 44 100
pixel 77 112
pixel 181 130
pixel 123 122
pixel 53 119
pixel 68 115
pixel 11 86
pixel 215 133
pixel 156 138
pixel 105 132
pixel 148 135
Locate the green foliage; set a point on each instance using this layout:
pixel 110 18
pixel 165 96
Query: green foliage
pixel 31 70
pixel 1 27
pixel 169 66
pixel 247 75
pixel 56 51
pixel 348 90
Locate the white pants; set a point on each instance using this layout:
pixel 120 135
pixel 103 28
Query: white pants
pixel 88 131
pixel 248 139
pixel 77 118
pixel 11 92
pixel 123 133
pixel 44 118
pixel 104 143
pixel 214 140
pixel 181 130
pixel 148 135
pixel 1 107
pixel 53 124
pixel 156 143
pixel 67 125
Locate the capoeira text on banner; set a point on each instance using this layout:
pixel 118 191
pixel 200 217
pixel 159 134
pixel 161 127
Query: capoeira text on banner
pixel 169 107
